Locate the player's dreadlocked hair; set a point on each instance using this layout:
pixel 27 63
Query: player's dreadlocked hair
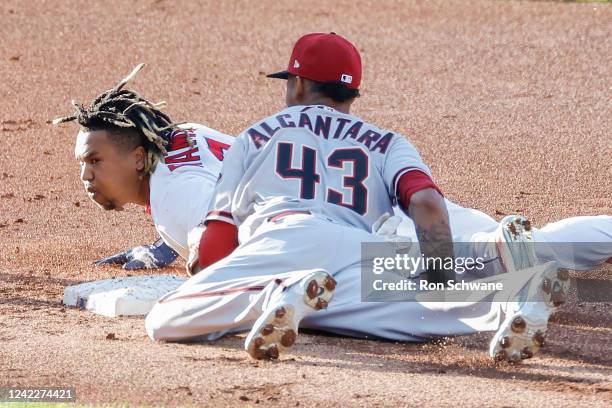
pixel 130 120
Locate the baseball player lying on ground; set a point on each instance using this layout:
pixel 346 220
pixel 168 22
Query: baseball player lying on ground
pixel 131 152
pixel 128 156
pixel 306 184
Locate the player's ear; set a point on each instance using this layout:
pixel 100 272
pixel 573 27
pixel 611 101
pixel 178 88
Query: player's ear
pixel 139 155
pixel 300 88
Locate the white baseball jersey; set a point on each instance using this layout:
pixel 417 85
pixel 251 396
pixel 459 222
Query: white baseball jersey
pixel 313 158
pixel 184 180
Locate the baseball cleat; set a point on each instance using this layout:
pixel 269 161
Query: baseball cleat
pixel 276 329
pixel 516 248
pixel 513 345
pixel 522 333
pixel 515 243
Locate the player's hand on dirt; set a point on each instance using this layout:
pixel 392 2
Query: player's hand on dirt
pixel 156 255
pixel 386 226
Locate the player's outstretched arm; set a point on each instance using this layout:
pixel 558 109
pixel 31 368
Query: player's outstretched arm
pixel 156 255
pixel 428 211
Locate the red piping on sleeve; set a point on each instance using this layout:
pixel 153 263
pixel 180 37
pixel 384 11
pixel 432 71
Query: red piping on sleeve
pixel 412 182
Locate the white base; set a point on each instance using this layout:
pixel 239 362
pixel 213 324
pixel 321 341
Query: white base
pixel 124 296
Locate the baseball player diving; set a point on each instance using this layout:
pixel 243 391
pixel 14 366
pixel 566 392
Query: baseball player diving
pixel 130 152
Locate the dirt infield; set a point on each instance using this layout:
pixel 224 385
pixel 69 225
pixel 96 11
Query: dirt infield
pixel 509 102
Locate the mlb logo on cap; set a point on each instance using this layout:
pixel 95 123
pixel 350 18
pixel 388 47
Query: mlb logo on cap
pixel 346 78
pixel 324 58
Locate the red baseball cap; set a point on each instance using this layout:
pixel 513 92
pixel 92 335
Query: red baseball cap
pixel 324 58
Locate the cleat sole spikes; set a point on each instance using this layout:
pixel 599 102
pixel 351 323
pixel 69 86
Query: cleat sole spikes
pixel 319 291
pixel 277 328
pixel 280 312
pixel 321 304
pixel 546 286
pixel 313 289
pixel 288 338
pixel 555 287
pixel 518 324
pixel 272 352
pixel 514 358
pixel 501 355
pixel 522 333
pixel 515 245
pixel 267 330
pixel 539 338
pixel 330 283
pixel 505 342
pixel 514 346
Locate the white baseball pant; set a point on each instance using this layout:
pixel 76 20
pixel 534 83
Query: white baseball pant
pixel 231 294
pixel 579 243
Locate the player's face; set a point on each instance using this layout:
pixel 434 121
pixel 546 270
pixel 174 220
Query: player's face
pixel 109 173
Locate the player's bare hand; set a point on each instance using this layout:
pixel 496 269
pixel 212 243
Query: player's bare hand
pixel 156 255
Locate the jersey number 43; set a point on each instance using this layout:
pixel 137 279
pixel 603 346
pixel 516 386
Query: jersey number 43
pixel 352 179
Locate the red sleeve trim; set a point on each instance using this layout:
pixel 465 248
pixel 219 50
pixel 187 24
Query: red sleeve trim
pixel 218 241
pixel 399 174
pixel 412 182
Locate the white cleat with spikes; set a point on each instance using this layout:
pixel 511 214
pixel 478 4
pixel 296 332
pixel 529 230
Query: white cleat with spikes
pixel 523 331
pixel 276 329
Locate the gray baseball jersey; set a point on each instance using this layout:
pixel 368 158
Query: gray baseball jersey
pixel 312 158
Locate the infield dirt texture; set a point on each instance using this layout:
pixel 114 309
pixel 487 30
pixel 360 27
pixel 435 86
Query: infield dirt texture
pixel 509 102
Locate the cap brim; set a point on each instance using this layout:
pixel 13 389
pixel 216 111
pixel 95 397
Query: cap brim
pixel 279 75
